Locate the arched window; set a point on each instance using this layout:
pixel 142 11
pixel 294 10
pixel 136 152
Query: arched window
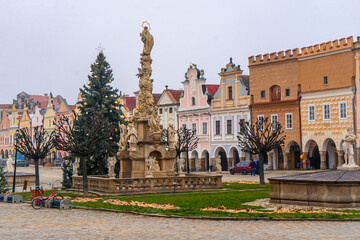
pixel 275 93
pixel 193 101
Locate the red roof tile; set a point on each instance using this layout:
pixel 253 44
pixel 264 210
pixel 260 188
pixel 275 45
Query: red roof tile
pixel 72 107
pixel 212 88
pixel 130 103
pixel 174 95
pixel 42 100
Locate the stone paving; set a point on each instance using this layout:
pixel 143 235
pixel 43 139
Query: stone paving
pixel 20 221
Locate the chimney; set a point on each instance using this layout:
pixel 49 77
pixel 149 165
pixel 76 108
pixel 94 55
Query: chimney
pixel 166 87
pixel 358 38
pixel 45 94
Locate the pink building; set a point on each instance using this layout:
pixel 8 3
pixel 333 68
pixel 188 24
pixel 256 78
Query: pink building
pixel 4 135
pixel 194 113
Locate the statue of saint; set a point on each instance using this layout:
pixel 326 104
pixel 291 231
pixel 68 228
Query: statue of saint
pixel 348 146
pixel 111 166
pixel 180 163
pixel 132 137
pixel 9 165
pixel 154 121
pixel 150 164
pixel 171 137
pixel 76 165
pixel 148 41
pixel 122 142
pixel 218 163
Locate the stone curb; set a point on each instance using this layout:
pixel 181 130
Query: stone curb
pixel 221 218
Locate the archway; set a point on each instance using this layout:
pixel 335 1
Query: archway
pixel 2 153
pixel 205 159
pixel 224 163
pixel 194 161
pixel 294 155
pixel 331 156
pixel 233 156
pixel 6 153
pixel 157 156
pixel 312 149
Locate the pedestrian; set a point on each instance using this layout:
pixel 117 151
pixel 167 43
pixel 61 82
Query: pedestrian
pixel 307 163
pixel 252 165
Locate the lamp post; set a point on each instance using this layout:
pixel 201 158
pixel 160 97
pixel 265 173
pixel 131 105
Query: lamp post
pixel 14 177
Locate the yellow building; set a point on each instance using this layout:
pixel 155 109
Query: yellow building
pixel 49 126
pixel 14 125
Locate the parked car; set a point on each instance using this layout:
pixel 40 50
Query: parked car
pixel 241 167
pixel 21 163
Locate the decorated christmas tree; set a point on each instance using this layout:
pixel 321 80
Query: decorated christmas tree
pixel 3 182
pixel 99 97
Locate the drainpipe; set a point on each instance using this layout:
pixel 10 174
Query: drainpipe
pixel 299 105
pixel 210 133
pixel 354 119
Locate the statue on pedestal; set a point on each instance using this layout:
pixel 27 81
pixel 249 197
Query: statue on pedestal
pixel 123 133
pixel 154 121
pixel 76 165
pixel 111 166
pixel 180 163
pixel 150 164
pixel 218 163
pixel 348 146
pixel 171 137
pixel 132 137
pixel 9 165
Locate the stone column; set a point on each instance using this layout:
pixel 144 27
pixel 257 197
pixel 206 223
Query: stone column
pixel 270 162
pixel 322 159
pixel 286 159
pixel 340 157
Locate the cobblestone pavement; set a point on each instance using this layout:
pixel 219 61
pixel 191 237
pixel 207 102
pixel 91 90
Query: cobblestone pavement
pixel 20 221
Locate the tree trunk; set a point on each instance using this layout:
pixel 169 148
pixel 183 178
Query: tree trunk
pixel 37 176
pixel 84 172
pixel 261 169
pixel 187 161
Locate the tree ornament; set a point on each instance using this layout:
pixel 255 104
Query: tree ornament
pixel 85 104
pixel 88 83
pixel 106 96
pixel 116 102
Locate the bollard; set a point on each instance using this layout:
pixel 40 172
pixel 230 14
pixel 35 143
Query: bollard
pixel 2 197
pixel 61 204
pixel 13 198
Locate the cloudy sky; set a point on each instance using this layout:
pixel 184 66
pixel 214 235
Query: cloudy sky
pixel 48 45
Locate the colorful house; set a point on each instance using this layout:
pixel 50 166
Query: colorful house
pixel 14 126
pixel 229 106
pixel 127 104
pixel 4 134
pixel 194 113
pixel 168 105
pixel 49 126
pixel 327 74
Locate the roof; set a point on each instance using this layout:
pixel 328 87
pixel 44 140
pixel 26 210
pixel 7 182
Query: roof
pixel 5 106
pixel 246 80
pixel 72 107
pixel 212 88
pixel 130 103
pixel 42 100
pixel 156 97
pixel 174 95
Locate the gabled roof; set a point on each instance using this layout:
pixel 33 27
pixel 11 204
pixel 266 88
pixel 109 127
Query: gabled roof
pixel 42 100
pixel 246 80
pixel 174 95
pixel 212 88
pixel 5 106
pixel 72 107
pixel 130 103
pixel 156 97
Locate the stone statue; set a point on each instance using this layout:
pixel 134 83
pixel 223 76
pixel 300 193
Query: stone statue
pixel 180 163
pixel 9 165
pixel 348 146
pixel 150 164
pixel 171 137
pixel 148 41
pixel 154 121
pixel 76 165
pixel 123 133
pixel 111 166
pixel 218 163
pixel 132 137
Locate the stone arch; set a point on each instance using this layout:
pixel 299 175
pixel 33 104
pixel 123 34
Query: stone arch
pixel 6 153
pixel 157 156
pixel 313 153
pixel 234 156
pixel 222 152
pixel 2 153
pixel 293 152
pixel 329 153
pixel 205 160
pixel 194 160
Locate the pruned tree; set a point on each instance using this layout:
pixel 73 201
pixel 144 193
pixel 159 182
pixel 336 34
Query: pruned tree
pixel 260 138
pixel 34 146
pixel 187 140
pixel 82 138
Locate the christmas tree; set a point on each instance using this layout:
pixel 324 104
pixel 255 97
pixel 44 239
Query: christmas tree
pixel 3 182
pixel 98 97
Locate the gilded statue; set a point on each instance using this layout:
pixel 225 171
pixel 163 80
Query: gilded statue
pixel 148 41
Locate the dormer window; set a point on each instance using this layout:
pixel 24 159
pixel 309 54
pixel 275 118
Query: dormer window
pixel 193 101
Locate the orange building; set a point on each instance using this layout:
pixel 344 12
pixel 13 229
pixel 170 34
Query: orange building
pixel 275 92
pixel 4 135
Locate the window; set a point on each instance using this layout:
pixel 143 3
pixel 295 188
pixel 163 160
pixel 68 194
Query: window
pixel 170 110
pixel 342 110
pixel 160 110
pixel 289 120
pixel 204 128
pixel 228 127
pixel 325 80
pixel 311 112
pixel 217 127
pixel 230 93
pixel 194 127
pixel 274 121
pixel 263 94
pixel 287 92
pixel 326 111
pixel 193 101
pixel 260 119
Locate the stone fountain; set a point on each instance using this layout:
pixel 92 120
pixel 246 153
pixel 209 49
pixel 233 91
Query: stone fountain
pixel 146 161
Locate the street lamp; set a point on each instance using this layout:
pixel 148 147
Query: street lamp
pixel 14 177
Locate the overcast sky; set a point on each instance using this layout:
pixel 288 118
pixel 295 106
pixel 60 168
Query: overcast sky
pixel 49 45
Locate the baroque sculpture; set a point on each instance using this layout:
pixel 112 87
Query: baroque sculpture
pixel 132 137
pixel 123 134
pixel 111 166
pixel 348 146
pixel 76 165
pixel 150 163
pixel 218 163
pixel 180 163
pixel 171 137
pixel 9 165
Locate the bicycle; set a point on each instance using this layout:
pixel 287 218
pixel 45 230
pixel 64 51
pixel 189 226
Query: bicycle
pixel 41 201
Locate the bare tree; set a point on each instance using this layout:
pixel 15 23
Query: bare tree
pixel 260 138
pixel 34 147
pixel 80 141
pixel 187 140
